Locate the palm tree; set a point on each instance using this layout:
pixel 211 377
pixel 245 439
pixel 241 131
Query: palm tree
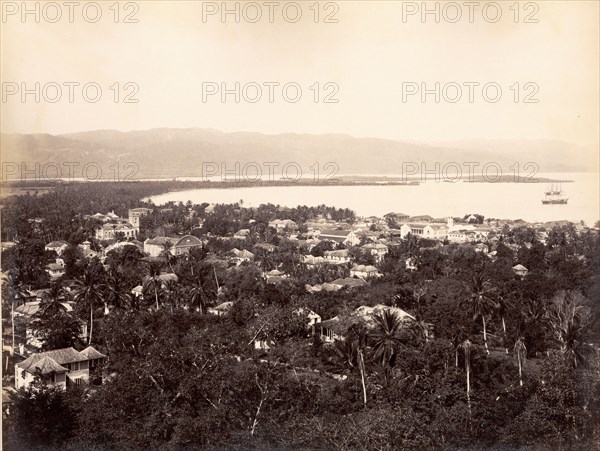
pixel 480 302
pixel 166 254
pixel 172 293
pixel 88 292
pixel 53 300
pixel 153 282
pixel 361 367
pixel 386 336
pixel 466 347
pixel 15 290
pixel 349 355
pixel 503 305
pixel 266 261
pixel 569 319
pixel 345 353
pixel 521 353
pixel 116 295
pixel 197 296
pixel 572 346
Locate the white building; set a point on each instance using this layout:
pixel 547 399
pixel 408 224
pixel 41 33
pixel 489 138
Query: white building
pixel 155 246
pixel 59 367
pixel 57 246
pixel 347 237
pixel 425 230
pixel 364 271
pixel 134 217
pixel 110 231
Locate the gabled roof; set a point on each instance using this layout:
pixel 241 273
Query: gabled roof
pixel 367 312
pixel 335 233
pixel 31 308
pixel 243 253
pixel 90 353
pixel 140 209
pixel 349 282
pixel 364 268
pixel 364 314
pixel 58 356
pixel 438 226
pixel 117 227
pixel 374 246
pixel 46 365
pixel 275 272
pixel 58 244
pixel 520 267
pixel 224 307
pixel 337 253
pixel 312 260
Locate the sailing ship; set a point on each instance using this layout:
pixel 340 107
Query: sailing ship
pixel 554 195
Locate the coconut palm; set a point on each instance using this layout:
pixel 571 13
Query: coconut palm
pixel 116 292
pixel 573 347
pixel 481 302
pixel 154 283
pixel 15 290
pixel 521 354
pixel 466 348
pixel 88 293
pixel 166 254
pixel 345 354
pixel 504 303
pixel 386 338
pixel 349 356
pixel 265 260
pixel 172 293
pixel 568 319
pixel 197 295
pixel 53 300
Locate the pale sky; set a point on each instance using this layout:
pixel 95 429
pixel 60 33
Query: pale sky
pixel 367 55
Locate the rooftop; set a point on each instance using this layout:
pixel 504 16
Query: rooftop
pixel 49 361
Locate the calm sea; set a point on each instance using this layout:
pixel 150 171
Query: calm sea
pixel 438 199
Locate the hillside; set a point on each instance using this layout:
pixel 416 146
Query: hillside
pixel 168 153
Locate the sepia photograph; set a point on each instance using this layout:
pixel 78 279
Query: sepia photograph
pixel 300 225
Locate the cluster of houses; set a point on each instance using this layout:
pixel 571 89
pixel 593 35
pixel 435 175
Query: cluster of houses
pixel 374 236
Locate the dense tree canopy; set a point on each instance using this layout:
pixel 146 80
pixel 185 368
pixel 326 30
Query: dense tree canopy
pixel 487 360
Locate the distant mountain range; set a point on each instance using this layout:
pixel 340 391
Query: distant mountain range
pixel 170 153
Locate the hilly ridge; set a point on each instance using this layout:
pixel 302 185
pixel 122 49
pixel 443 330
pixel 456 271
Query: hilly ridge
pixel 169 152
